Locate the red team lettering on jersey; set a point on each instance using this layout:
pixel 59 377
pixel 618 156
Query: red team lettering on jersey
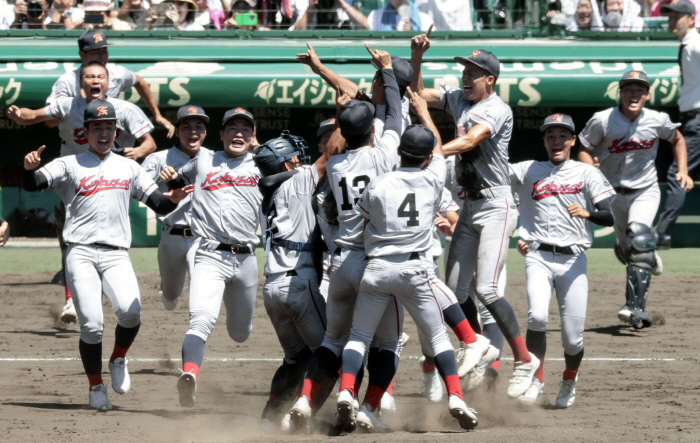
pixel 618 146
pixel 543 190
pixel 87 187
pixel 79 136
pixel 215 180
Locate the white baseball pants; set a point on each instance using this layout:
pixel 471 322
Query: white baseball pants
pixel 640 207
pixel 175 260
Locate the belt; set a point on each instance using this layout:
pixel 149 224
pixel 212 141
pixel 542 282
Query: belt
pixel 185 232
pixel 106 246
pixel 556 250
pixel 234 249
pixel 474 195
pixel 414 256
pixel 490 192
pixel 624 191
pixel 292 273
pixel 293 245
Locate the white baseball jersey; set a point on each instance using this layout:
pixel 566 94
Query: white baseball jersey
pixel 154 164
pixel 328 231
pixel 401 207
pixel 456 190
pixel 97 194
pixel 487 164
pixel 132 123
pixel 68 85
pixel 546 191
pixel 446 205
pixel 226 199
pixel 626 150
pixel 350 173
pixel 292 218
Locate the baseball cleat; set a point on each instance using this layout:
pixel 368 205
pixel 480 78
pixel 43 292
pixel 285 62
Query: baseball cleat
pixel 658 267
pixel 464 415
pixel 68 314
pixel 300 415
pixel 491 377
pixel 533 394
pixel 567 393
pixel 469 354
pixel 169 304
pixel 369 421
pixel 187 388
pixel 624 314
pixel 432 383
pixel 286 424
pixel 640 319
pixel 346 412
pixel 664 242
pixel 388 404
pixel 99 399
pixel 121 382
pixel 266 426
pixel 477 375
pixel 522 376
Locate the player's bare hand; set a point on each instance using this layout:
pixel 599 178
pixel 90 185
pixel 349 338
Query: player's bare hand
pixel 443 225
pixel 577 211
pixel 381 59
pixel 522 247
pixel 310 58
pixel 596 162
pixel 168 174
pixel 14 113
pixel 132 153
pixel 33 159
pixel 165 123
pixel 420 106
pixel 177 195
pixel 4 234
pixel 686 182
pixel 421 43
pixel 341 98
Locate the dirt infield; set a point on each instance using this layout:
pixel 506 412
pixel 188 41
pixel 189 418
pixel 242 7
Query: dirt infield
pixel 43 400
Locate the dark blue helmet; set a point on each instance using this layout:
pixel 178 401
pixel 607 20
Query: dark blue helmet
pixel 270 156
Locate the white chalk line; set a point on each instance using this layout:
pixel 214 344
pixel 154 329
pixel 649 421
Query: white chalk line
pixel 243 359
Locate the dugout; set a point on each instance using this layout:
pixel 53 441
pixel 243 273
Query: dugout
pixel 258 70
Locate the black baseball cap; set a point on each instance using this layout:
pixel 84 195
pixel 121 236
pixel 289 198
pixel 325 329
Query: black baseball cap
pixel 681 6
pixel 558 120
pixel 418 140
pixel 92 39
pixel 326 125
pixel 98 110
pixel 402 71
pixel 483 59
pixel 355 118
pixel 634 77
pixel 238 113
pixel 191 111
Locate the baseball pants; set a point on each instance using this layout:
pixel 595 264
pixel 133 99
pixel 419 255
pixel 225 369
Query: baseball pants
pixel 325 278
pixel 175 259
pixel 565 274
pixel 297 310
pixel 445 298
pixel 91 272
pixel 640 207
pixel 217 276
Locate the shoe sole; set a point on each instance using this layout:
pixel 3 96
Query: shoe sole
pixel 465 421
pixel 624 316
pixel 299 422
pixel 346 418
pixel 104 408
pixel 186 388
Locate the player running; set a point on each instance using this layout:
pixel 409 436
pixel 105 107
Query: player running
pixel 97 187
pixel 623 142
pixel 570 196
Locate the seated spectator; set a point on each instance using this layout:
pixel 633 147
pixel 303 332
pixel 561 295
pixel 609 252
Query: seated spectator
pixel 586 18
pixel 398 15
pixel 656 9
pixel 448 15
pixel 135 13
pixel 622 16
pixel 202 16
pixel 100 14
pixel 174 15
pixel 64 14
pixel 561 12
pixel 243 7
pixel 326 14
pixel 26 14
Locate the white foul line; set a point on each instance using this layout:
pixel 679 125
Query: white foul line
pixel 243 359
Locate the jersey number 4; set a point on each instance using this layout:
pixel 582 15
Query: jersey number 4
pixel 359 183
pixel 407 209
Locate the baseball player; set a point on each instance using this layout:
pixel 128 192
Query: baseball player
pixel 399 208
pixel 4 232
pixel 92 46
pixel 224 216
pixel 480 241
pixel 623 141
pixel 97 187
pixel 560 199
pixel 177 245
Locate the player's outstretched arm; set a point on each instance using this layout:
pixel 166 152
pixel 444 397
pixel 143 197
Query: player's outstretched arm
pixel 382 60
pixel 680 152
pixel 33 180
pixel 310 59
pixel 26 116
pixel 476 135
pixel 166 202
pixel 419 45
pixel 336 143
pixel 420 107
pixel 602 216
pixel 146 147
pixel 446 224
pixel 585 155
pixel 147 96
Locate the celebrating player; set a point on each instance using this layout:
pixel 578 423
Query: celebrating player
pixel 623 141
pixel 177 245
pixel 97 187
pixel 571 196
pixel 224 216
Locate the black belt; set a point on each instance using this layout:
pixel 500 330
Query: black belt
pixel 185 232
pixel 234 249
pixel 557 250
pixel 414 256
pixel 106 246
pixel 292 273
pixel 624 191
pixel 293 245
pixel 474 194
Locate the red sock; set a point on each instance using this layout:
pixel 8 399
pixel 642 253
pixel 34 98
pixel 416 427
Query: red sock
pixel 539 374
pixel 94 379
pixel 427 367
pixel 453 386
pixel 373 397
pixel 347 381
pixel 464 332
pixel 520 352
pixel 496 364
pixel 68 294
pixel 191 367
pixel 390 389
pixel 272 398
pixel 310 389
pixel 570 374
pixel 121 352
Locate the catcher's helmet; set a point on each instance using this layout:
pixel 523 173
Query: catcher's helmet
pixel 270 156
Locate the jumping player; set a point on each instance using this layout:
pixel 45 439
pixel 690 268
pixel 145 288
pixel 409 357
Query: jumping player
pixel 623 141
pixel 97 187
pixel 571 196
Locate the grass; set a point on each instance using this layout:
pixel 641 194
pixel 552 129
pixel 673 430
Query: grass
pixel 600 261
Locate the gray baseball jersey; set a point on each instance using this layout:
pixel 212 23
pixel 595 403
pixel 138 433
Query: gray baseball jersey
pixel 546 191
pixel 226 199
pixel 132 123
pixel 154 164
pixel 487 164
pixel 381 116
pixel 328 231
pixel 68 85
pixel 350 173
pixel 456 190
pixel 97 194
pixel 401 207
pixel 626 150
pixel 293 219
pixel 446 205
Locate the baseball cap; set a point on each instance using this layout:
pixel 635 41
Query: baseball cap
pixel 92 39
pixel 483 59
pixel 326 125
pixel 238 113
pixel 558 120
pixel 681 6
pixel 190 111
pixel 355 118
pixel 634 77
pixel 98 110
pixel 402 71
pixel 418 140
